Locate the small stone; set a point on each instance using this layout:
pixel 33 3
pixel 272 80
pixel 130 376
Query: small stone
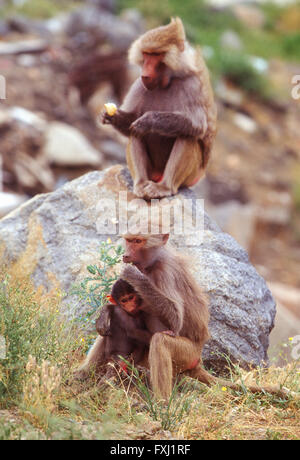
pixel 66 146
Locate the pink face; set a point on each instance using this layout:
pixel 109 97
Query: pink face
pixel 134 250
pixel 129 303
pixel 154 71
pixel 138 252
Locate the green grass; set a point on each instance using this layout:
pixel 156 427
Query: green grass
pixel 38 9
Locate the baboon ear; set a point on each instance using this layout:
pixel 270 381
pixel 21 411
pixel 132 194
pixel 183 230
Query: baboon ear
pixel 165 238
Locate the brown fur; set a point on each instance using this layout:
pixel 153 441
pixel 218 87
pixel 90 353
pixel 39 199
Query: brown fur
pixel 159 40
pixel 171 128
pixel 125 335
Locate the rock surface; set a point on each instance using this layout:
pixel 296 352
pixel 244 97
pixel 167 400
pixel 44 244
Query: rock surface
pixel 65 145
pixel 55 236
pixel 9 201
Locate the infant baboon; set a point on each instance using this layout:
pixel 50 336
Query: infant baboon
pixel 122 325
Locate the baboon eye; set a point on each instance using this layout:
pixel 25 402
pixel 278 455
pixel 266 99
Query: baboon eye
pixel 138 241
pixel 131 297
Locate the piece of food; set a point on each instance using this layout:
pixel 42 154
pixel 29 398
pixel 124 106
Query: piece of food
pixel 110 108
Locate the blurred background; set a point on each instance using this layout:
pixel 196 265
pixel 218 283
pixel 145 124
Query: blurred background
pixel 61 60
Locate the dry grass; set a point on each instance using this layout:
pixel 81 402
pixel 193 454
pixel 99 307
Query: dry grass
pixel 222 414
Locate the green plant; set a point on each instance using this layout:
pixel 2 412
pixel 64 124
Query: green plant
pixel 94 289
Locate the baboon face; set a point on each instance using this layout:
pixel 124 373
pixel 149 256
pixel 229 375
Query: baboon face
pixel 130 303
pixel 154 71
pixel 134 250
pixel 143 251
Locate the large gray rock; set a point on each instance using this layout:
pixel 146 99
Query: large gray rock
pixel 55 236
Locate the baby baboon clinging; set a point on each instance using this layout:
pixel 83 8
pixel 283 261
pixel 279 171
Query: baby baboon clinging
pixel 121 323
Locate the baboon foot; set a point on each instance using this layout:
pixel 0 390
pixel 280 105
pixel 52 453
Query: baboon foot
pixel 138 189
pixel 81 374
pixel 156 190
pixel 202 375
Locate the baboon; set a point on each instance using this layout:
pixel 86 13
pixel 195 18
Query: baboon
pixel 121 323
pixel 162 279
pixel 169 113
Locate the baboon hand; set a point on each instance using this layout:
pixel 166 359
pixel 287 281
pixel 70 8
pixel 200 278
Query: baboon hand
pixel 142 125
pixel 130 272
pixel 105 118
pixel 170 333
